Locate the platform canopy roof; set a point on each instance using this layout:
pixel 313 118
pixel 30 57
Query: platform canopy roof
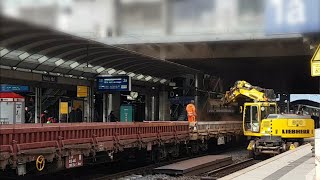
pixel 29 47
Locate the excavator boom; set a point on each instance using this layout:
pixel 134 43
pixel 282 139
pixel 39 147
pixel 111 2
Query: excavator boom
pixel 245 89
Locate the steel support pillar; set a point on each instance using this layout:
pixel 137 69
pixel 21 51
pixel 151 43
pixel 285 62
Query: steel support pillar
pixel 91 103
pixel 196 97
pixel 164 111
pixel 109 106
pixel 37 109
pixel 104 107
pixel 114 104
pixel 147 107
pixel 89 107
pixel 153 108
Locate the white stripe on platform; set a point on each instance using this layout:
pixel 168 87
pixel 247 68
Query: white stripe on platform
pixel 304 171
pixel 270 166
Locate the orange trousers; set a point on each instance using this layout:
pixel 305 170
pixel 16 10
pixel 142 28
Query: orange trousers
pixel 191 118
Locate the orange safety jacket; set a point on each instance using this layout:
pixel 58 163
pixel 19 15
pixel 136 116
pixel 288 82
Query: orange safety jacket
pixel 191 110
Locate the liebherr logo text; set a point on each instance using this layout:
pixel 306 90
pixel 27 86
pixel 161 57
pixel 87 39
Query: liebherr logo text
pixel 294 131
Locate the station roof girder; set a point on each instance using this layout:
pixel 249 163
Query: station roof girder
pixel 29 46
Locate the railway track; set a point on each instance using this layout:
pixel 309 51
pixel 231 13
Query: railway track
pixel 226 170
pixel 141 170
pixel 212 175
pixel 148 169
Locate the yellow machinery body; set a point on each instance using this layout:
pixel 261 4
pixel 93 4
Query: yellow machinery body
pixel 271 132
pixel 273 124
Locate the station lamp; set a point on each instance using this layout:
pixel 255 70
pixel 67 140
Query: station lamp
pixel 162 81
pixel 155 80
pixel 172 84
pixel 87 69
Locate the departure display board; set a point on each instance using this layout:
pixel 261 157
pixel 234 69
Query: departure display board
pixel 13 88
pixel 113 83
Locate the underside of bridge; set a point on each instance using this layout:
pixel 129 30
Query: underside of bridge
pixel 280 63
pixel 283 74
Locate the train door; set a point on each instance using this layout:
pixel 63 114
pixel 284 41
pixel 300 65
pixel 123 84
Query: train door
pixel 251 118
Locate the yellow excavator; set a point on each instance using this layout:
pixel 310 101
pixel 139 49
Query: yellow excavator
pixel 268 131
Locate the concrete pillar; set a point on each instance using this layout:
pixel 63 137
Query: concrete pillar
pixel 116 17
pixel 317 152
pixel 37 111
pixel 166 17
pixel 164 106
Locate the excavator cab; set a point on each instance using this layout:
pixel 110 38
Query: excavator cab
pixel 254 113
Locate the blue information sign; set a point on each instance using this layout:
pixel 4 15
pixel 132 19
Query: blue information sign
pixel 292 16
pixel 13 88
pixel 114 83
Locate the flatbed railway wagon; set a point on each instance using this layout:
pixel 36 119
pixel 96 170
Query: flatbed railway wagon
pixel 44 148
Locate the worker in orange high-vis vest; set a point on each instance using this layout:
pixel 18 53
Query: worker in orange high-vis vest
pixel 191 111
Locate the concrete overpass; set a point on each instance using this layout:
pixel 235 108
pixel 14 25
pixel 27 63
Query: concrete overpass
pixel 282 63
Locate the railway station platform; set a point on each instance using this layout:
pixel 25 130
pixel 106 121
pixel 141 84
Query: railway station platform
pixel 296 164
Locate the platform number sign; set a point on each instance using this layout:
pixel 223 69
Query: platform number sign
pixel 315 63
pixel 292 16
